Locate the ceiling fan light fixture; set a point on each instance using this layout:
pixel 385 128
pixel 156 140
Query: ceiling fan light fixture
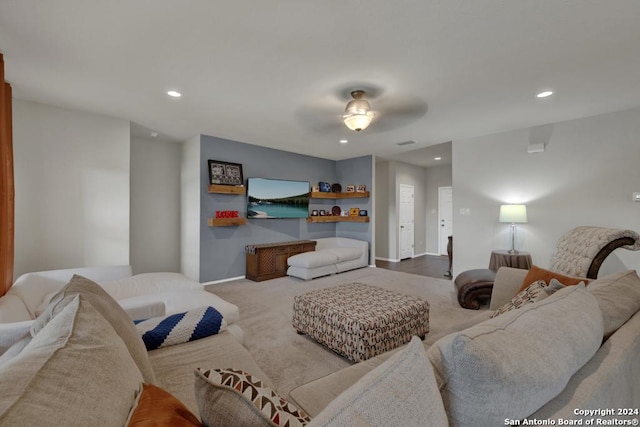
pixel 358 114
pixel 358 121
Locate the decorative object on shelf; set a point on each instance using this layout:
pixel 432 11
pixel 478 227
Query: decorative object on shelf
pixel 344 212
pixel 354 212
pixel 227 214
pixel 513 214
pixel 225 173
pixel 358 115
pixel 363 212
pixel 323 212
pixel 325 187
pixel 361 188
pixel 314 212
pixel 315 189
pixel 336 188
pixel 351 188
pixel 335 210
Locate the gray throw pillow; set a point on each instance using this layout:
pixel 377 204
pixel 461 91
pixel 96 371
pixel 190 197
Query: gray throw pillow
pixel 618 297
pixel 109 309
pixel 510 366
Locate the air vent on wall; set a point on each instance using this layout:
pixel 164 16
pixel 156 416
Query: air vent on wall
pixel 405 143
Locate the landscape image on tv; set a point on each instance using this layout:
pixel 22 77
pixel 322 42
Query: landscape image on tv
pixel 277 198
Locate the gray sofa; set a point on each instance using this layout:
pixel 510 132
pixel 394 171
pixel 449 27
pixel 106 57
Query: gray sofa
pixel 584 378
pixel 584 342
pixel 332 255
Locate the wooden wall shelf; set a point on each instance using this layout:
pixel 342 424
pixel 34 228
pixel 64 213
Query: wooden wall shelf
pixel 227 189
pixel 226 222
pixel 354 195
pixel 337 218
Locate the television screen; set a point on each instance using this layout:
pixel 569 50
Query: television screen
pixel 277 198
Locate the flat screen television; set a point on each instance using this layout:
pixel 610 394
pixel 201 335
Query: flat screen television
pixel 277 198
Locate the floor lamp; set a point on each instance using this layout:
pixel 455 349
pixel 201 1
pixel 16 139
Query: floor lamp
pixel 513 214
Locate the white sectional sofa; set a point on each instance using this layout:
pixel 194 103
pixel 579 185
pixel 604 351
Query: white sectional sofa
pixel 142 296
pixel 332 255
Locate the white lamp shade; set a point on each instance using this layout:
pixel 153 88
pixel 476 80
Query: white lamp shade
pixel 513 213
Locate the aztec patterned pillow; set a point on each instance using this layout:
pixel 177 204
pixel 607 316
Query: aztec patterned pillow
pixel 537 291
pixel 229 397
pixel 179 328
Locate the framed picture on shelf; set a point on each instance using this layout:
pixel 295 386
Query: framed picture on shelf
pixel 225 173
pixel 314 212
pixel 361 188
pixel 354 212
pixel 351 188
pixel 323 213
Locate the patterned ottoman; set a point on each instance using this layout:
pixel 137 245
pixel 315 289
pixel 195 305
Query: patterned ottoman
pixel 360 321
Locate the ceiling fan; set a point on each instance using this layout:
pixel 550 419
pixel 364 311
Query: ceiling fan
pixel 358 115
pixel 367 108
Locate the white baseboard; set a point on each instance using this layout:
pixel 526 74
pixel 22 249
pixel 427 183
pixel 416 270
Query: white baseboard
pixel 230 279
pixel 434 254
pixel 417 255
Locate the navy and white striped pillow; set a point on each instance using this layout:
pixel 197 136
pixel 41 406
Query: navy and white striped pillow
pixel 179 328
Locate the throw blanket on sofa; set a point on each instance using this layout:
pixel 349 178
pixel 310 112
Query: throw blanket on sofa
pixel 180 328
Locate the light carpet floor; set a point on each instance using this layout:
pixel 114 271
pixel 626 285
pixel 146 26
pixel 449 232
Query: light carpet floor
pixel 289 359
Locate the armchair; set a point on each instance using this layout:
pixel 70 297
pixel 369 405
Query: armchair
pixel 579 252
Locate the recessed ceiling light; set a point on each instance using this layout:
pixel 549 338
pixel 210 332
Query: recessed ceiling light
pixel 154 134
pixel 174 93
pixel 437 158
pixel 545 94
pixel 343 141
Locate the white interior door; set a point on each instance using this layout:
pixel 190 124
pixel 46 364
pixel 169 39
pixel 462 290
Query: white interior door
pixel 406 221
pixel 445 217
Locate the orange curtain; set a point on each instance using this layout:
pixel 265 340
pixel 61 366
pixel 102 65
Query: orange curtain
pixel 6 187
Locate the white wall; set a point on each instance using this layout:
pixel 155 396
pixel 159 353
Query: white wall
pixel 389 176
pixel 190 209
pixel 436 176
pixel 382 210
pixel 415 176
pixel 586 176
pixel 155 205
pixel 72 188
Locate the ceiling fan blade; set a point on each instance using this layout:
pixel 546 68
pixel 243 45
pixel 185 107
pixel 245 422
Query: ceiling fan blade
pixel 395 113
pixel 318 120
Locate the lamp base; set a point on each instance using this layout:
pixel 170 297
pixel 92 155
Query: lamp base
pixel 513 252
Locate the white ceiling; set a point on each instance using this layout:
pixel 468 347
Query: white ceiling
pixel 278 73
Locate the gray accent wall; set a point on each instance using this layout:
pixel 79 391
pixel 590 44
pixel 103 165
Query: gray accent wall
pixel 222 249
pixel 358 171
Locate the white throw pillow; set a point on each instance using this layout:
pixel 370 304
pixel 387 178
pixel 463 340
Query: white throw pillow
pixel 402 391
